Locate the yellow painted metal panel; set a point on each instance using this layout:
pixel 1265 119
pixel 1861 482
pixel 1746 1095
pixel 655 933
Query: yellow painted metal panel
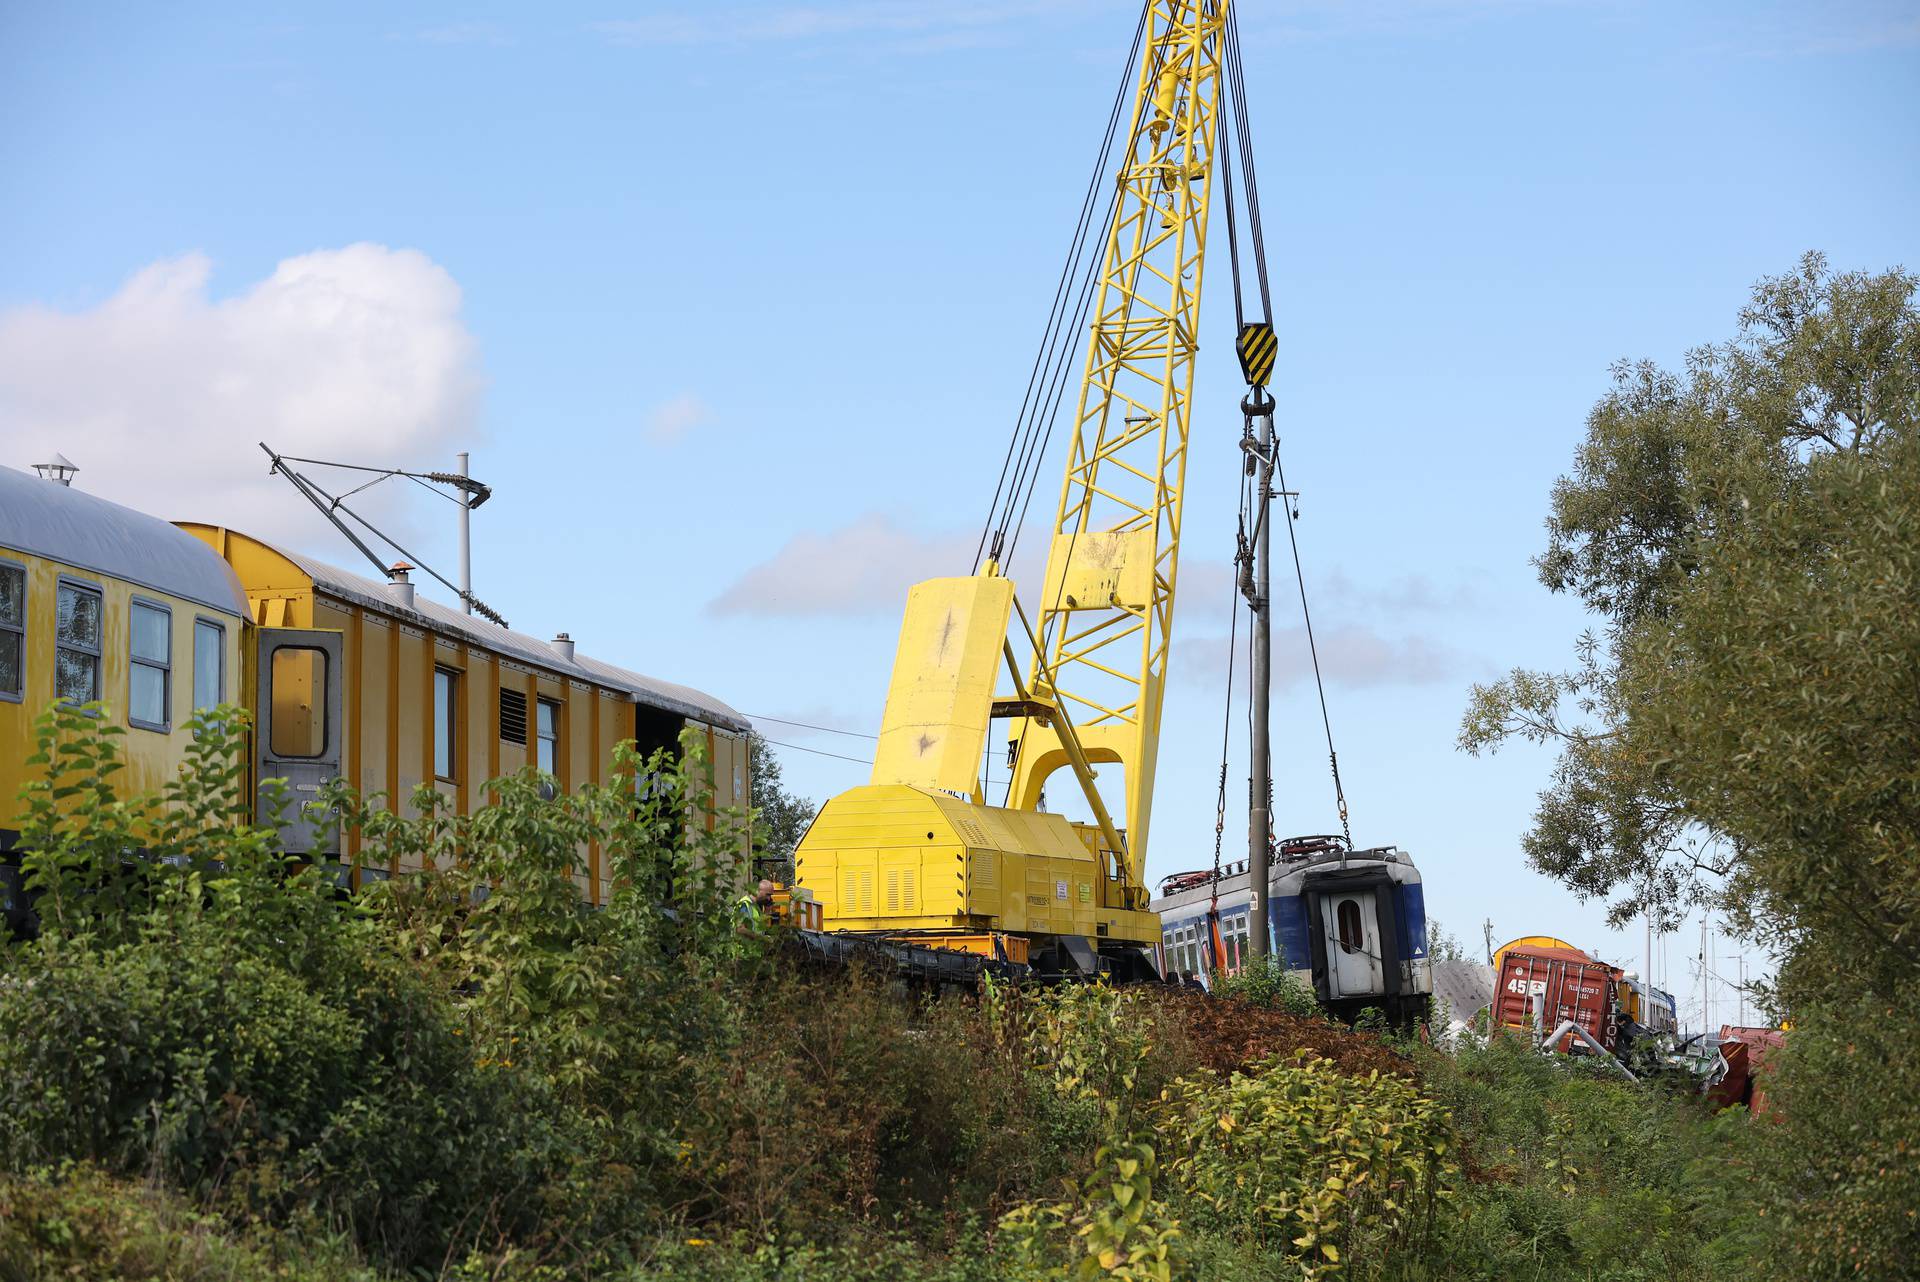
pixel 935 725
pixel 410 703
pixel 152 757
pixel 1096 570
pixel 370 701
pixel 481 704
pixel 890 857
pixel 576 759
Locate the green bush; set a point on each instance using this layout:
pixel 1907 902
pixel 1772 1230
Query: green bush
pixel 1309 1162
pixel 215 1017
pixel 870 1257
pixel 466 1058
pixel 1836 1160
pixel 467 1073
pixel 845 1104
pixel 82 1225
pixel 1571 1171
pixel 1269 985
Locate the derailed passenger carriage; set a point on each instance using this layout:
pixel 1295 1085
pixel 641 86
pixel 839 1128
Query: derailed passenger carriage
pixel 1350 924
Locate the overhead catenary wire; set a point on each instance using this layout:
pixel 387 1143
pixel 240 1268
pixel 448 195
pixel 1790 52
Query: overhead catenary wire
pixel 807 725
pixel 819 752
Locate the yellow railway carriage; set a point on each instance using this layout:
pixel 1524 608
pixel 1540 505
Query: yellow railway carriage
pixel 346 677
pixel 431 695
pixel 98 601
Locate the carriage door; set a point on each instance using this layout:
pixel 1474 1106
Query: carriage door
pixel 300 723
pixel 1352 926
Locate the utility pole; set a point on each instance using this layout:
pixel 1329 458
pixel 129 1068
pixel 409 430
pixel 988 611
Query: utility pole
pixel 1741 959
pixel 1646 973
pixel 1258 407
pixel 466 541
pixel 1706 1011
pixel 1486 934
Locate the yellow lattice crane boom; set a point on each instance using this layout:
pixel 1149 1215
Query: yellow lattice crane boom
pixel 919 852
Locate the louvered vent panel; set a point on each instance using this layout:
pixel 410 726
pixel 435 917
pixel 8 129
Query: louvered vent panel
pixel 893 890
pixel 906 891
pixel 866 890
pixel 513 717
pixel 850 892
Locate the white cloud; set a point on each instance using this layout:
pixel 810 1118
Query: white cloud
pixel 161 392
pixel 1409 594
pixel 1353 657
pixel 864 568
pixel 672 419
pixel 859 569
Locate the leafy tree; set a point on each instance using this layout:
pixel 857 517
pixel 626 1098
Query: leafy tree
pixel 780 818
pixel 1443 945
pixel 1742 729
pixel 1744 530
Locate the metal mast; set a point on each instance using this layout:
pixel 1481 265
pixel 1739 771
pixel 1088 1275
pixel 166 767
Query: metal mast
pixel 466 541
pixel 1259 409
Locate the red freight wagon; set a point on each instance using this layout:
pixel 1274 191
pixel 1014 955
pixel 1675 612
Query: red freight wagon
pixel 1744 1051
pixel 1548 986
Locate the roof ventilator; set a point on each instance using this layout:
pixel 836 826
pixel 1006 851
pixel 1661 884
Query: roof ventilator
pixel 399 585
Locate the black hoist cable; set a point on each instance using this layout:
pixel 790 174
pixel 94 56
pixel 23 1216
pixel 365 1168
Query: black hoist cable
pixel 1011 524
pixel 1235 93
pixel 1052 359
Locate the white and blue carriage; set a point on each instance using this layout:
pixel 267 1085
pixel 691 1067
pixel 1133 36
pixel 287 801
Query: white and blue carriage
pixel 1351 925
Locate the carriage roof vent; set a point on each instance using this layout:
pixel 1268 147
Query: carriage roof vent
pixel 59 469
pixel 399 585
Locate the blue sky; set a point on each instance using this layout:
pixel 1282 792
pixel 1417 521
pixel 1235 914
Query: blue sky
pixel 733 305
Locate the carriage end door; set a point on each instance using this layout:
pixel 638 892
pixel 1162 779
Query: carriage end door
pixel 1354 958
pixel 301 725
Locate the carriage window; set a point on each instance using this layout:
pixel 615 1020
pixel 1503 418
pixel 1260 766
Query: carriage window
pixel 76 649
pixel 546 732
pixel 1351 935
pixel 149 666
pixel 299 685
pixel 446 689
pixel 13 630
pixel 209 664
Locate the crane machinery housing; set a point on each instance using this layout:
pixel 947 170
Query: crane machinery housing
pixel 919 855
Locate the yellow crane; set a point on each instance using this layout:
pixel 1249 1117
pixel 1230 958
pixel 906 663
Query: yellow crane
pixel 919 854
